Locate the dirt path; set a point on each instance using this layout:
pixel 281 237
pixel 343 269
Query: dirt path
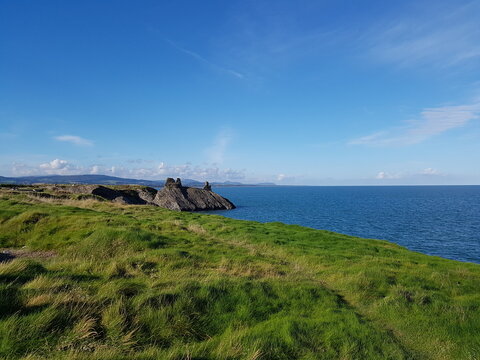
pixel 8 254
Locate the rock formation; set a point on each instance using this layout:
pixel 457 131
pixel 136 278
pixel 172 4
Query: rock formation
pixel 172 196
pixel 170 183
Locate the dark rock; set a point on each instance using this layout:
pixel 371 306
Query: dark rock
pixel 173 183
pixel 121 200
pixel 124 196
pixel 173 198
pixel 131 196
pixel 190 199
pixel 207 186
pixel 170 182
pixel 147 194
pixel 105 192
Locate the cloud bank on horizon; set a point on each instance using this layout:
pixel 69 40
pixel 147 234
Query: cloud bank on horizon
pixel 153 172
pixel 320 93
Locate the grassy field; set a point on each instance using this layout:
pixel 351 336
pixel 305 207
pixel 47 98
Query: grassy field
pixel 96 280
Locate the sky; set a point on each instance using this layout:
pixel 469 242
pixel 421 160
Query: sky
pixel 292 92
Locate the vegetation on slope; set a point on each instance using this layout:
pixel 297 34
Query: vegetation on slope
pixel 140 282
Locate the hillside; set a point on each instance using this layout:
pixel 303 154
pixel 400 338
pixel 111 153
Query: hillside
pixel 83 279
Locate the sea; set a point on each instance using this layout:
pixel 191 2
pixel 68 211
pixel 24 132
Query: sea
pixel 434 220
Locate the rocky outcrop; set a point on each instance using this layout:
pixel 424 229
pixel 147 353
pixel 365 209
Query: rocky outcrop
pixel 170 183
pixel 147 194
pixel 173 195
pixel 207 186
pixel 134 196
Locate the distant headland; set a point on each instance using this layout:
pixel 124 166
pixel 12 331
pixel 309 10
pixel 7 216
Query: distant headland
pixel 173 195
pixel 110 180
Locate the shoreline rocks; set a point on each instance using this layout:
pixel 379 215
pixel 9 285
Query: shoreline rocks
pixel 173 195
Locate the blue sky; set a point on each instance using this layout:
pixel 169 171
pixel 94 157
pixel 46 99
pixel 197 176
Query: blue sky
pixel 294 92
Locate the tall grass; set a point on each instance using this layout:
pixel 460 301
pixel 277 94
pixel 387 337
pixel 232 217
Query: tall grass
pixel 139 282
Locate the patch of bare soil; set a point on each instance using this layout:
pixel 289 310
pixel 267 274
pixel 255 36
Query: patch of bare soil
pixel 8 254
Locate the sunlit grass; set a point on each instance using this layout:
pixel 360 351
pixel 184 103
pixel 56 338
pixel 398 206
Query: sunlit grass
pixel 140 282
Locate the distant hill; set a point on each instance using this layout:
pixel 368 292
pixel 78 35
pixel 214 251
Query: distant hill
pixel 77 179
pixel 104 180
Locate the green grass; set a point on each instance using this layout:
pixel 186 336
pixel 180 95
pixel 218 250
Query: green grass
pixel 140 282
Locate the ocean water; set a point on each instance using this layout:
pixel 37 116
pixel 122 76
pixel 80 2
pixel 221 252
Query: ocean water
pixel 434 220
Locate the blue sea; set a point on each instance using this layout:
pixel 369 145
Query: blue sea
pixel 434 220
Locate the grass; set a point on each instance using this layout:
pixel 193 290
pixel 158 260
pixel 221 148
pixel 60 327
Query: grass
pixel 140 282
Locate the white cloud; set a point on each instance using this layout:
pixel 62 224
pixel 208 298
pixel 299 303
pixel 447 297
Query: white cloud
pixel 58 166
pixel 409 176
pixel 156 172
pixel 216 153
pixel 430 171
pixel 76 140
pixel 283 179
pixel 185 171
pixel 95 169
pixel 382 175
pixel 442 37
pixel 433 121
pixel 20 169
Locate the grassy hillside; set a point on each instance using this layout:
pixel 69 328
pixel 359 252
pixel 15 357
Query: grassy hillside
pixel 103 281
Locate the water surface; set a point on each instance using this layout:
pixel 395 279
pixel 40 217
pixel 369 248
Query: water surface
pixel 435 220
